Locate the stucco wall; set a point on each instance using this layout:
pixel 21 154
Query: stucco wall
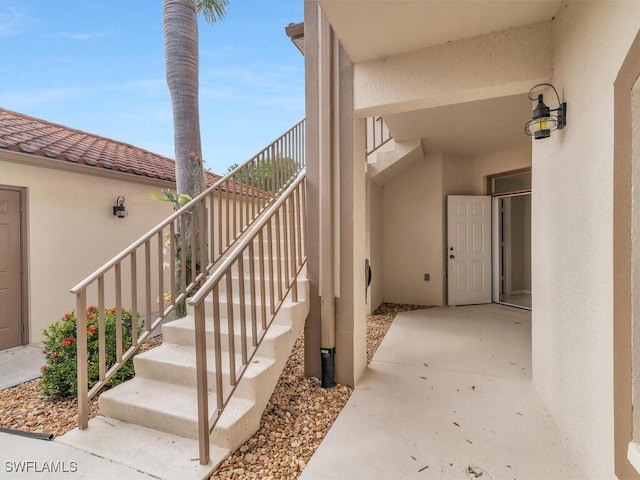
pixel 497 162
pixel 572 235
pixel 72 231
pixel 375 246
pixel 412 234
pixel 485 66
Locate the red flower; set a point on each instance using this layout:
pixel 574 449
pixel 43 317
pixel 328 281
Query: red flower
pixel 53 355
pixel 91 330
pixel 192 154
pixel 67 341
pixel 67 316
pixel 43 368
pixel 91 308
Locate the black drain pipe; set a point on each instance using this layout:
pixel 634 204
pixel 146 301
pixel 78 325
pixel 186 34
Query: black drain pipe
pixel 328 367
pixel 36 435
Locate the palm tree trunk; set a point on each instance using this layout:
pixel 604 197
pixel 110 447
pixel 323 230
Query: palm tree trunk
pixel 180 30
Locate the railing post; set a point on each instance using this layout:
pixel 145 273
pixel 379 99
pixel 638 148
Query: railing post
pixel 81 339
pixel 201 379
pixel 292 246
pixel 274 187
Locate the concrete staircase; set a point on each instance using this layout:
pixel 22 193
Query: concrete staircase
pixel 159 406
pixel 393 158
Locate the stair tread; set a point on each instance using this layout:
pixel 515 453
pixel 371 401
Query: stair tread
pixel 172 400
pixel 187 322
pixel 185 356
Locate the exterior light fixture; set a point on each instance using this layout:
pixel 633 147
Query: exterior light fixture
pixel 118 209
pixel 546 120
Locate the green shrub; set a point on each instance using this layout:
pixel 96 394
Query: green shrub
pixel 59 374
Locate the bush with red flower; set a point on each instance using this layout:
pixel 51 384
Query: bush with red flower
pixel 59 374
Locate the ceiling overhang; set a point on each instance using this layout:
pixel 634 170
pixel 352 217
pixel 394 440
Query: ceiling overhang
pixel 370 29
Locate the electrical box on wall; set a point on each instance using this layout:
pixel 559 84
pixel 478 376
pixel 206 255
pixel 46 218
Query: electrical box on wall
pixel 426 277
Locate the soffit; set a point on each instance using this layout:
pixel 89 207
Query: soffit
pixel 370 29
pixel 468 129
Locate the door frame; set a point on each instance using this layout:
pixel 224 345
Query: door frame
pixel 24 259
pixel 496 247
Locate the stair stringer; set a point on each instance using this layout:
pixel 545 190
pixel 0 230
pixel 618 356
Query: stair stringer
pixel 391 162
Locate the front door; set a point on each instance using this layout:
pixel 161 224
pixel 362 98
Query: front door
pixel 468 249
pixel 10 275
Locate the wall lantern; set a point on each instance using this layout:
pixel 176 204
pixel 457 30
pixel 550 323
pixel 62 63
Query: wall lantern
pixel 118 209
pixel 546 120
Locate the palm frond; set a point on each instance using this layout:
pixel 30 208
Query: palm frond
pixel 212 10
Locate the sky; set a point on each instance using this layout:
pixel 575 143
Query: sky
pixel 98 66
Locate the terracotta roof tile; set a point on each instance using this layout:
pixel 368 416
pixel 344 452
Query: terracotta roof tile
pixel 21 133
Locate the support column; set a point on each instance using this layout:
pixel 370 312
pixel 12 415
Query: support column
pixel 336 208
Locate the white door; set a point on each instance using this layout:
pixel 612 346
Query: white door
pixel 469 249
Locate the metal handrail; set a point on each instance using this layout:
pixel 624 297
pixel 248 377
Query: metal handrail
pixel 160 263
pixel 377 134
pixel 285 259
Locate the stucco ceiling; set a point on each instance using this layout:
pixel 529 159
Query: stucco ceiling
pixel 468 128
pixel 371 29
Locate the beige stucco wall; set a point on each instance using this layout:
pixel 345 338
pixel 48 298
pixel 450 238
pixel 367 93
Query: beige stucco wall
pixel 374 227
pixel 412 234
pixel 572 237
pixel 486 66
pixel 72 230
pixel 498 161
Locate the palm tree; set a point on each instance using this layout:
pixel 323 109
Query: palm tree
pixel 180 31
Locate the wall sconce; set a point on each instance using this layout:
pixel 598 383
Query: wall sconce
pixel 543 121
pixel 118 209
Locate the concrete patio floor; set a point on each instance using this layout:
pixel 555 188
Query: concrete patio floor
pixel 20 364
pixel 448 395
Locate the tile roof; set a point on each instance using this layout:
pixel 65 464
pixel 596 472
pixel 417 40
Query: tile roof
pixel 21 133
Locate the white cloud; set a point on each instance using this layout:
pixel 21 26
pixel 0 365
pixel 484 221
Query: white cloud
pixel 37 97
pixel 11 22
pixel 278 85
pixel 30 99
pixel 82 36
pixel 150 84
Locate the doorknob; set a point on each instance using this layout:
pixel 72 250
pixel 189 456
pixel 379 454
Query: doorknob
pixel 452 256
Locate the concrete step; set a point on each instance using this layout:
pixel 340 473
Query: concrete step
pixel 235 284
pixel 181 332
pixel 174 410
pixel 162 395
pixel 176 364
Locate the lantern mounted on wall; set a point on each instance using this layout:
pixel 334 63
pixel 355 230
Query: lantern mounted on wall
pixel 118 209
pixel 545 120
